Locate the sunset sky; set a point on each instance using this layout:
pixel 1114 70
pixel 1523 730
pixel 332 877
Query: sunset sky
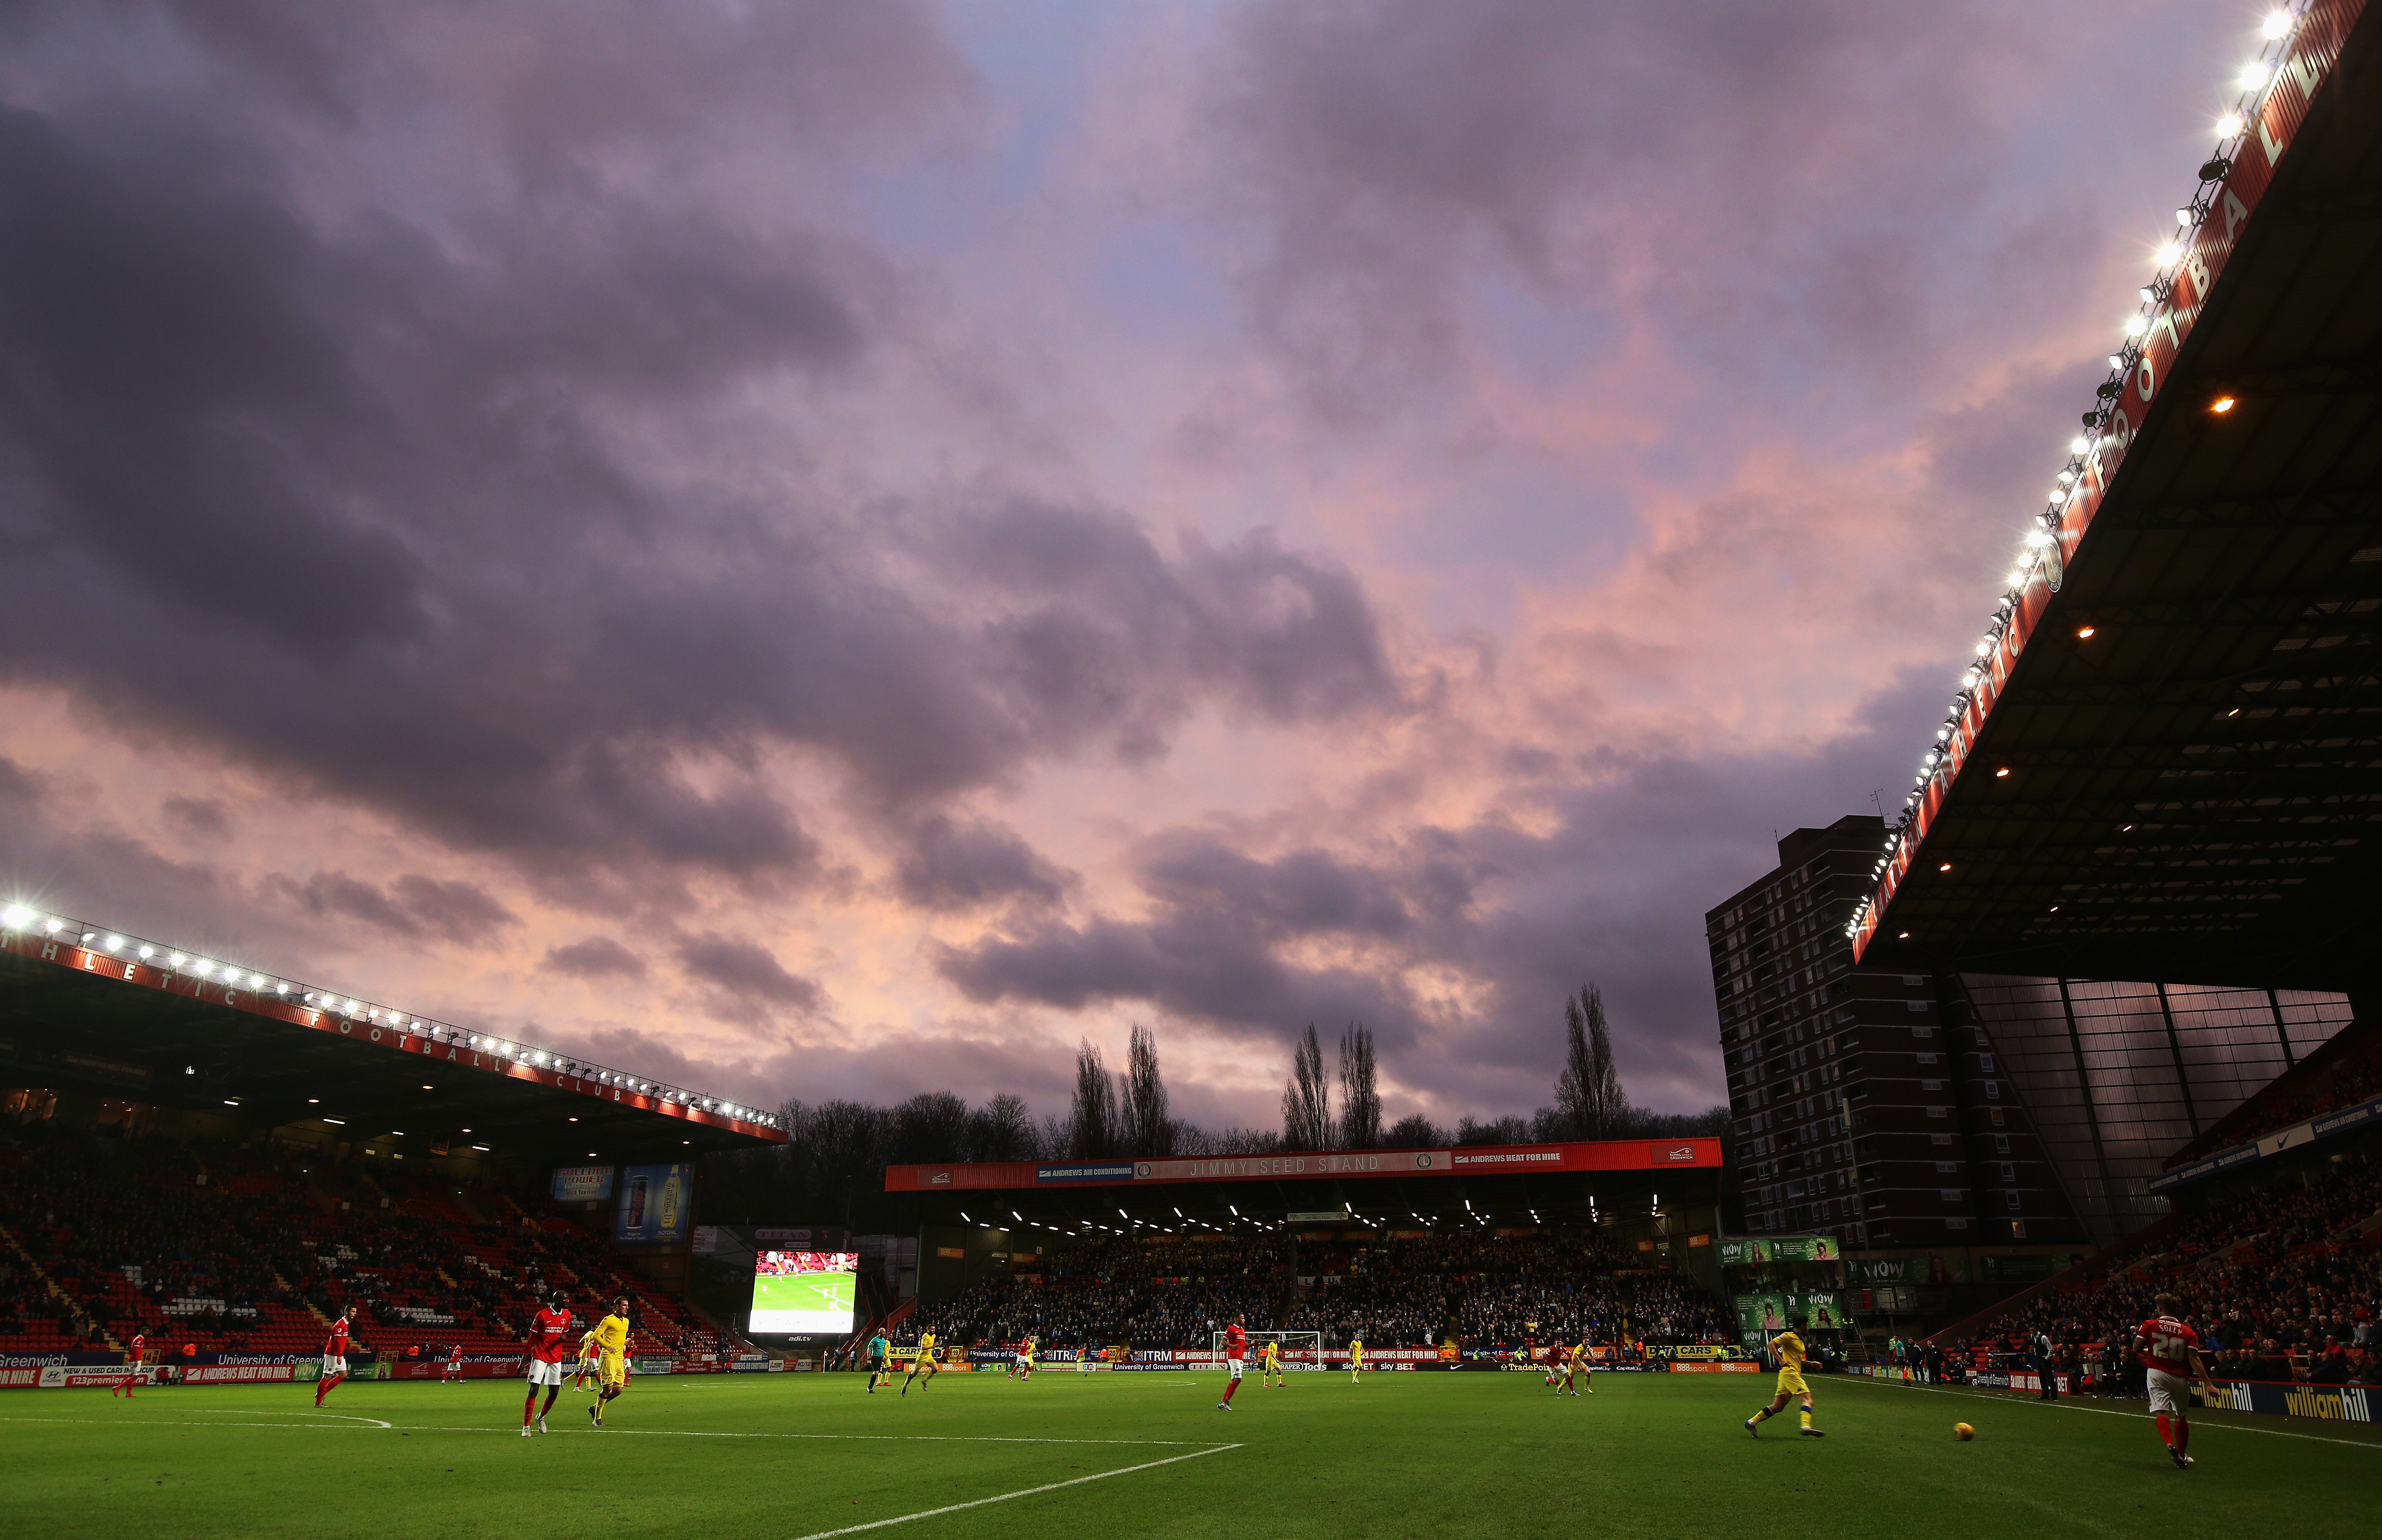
pixel 834 549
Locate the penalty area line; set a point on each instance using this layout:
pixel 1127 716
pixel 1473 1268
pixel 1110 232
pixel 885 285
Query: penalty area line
pixel 1027 1492
pixel 1991 1398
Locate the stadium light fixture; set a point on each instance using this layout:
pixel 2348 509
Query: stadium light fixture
pixel 112 942
pixel 2222 405
pixel 15 917
pixel 2255 74
pixel 53 927
pixel 2230 126
pixel 2277 25
pixel 2135 326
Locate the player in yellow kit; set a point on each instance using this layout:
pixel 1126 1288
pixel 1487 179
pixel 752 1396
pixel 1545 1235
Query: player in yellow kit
pixel 1575 1369
pixel 1355 1358
pixel 925 1362
pixel 1789 1349
pixel 1270 1365
pixel 588 1361
pixel 612 1336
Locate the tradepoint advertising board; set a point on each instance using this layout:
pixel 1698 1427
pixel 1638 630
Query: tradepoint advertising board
pixel 1609 1154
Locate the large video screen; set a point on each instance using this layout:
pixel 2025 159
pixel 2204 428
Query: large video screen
pixel 805 1293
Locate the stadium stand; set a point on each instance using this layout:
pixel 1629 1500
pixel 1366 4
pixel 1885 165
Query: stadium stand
pixel 2346 1070
pixel 2285 1280
pixel 1488 1290
pixel 251 1250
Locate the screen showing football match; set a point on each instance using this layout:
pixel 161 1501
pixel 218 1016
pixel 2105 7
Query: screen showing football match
pixel 804 1292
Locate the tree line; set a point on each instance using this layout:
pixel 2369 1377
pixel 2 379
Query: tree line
pixel 831 1169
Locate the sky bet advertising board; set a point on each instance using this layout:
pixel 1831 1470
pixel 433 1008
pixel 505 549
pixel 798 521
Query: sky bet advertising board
pixel 656 1205
pixel 805 1293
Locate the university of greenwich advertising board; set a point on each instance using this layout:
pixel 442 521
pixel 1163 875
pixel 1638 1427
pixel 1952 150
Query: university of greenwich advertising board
pixel 657 1203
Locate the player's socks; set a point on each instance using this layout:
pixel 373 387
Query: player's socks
pixel 2167 1434
pixel 2182 1434
pixel 1807 1417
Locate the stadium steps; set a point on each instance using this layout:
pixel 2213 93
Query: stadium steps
pixel 49 1283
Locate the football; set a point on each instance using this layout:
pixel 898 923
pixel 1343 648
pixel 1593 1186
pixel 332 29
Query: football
pixel 1963 1432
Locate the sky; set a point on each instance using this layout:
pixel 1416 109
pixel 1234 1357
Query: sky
pixel 839 548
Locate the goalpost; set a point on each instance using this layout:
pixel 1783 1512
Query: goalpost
pixel 1300 1350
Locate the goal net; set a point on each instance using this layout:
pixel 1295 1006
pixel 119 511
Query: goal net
pixel 1300 1350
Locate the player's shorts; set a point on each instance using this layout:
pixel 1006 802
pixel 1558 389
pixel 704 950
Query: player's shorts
pixel 2170 1392
pixel 334 1363
pixel 1790 1382
pixel 1235 1367
pixel 612 1369
pixel 541 1372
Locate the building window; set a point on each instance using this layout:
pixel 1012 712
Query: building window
pixel 1915 1005
pixel 1951 1194
pixel 1997 1115
pixel 2018 1229
pixel 2001 1144
pixel 1926 1058
pixel 1985 1063
pixel 1947 1166
pixel 1940 1138
pixel 1931 1085
pixel 1993 1091
pixel 1956 1222
pixel 1938 1112
pixel 2009 1170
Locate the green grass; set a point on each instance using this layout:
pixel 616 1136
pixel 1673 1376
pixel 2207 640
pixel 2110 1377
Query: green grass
pixel 829 1292
pixel 1431 1456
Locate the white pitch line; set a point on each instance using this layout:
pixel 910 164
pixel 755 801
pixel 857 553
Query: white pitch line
pixel 1028 1492
pixel 2063 1404
pixel 629 1433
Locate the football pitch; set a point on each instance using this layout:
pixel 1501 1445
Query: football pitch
pixel 831 1292
pixel 1435 1456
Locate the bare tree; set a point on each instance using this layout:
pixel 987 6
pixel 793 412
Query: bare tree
pixel 1002 1129
pixel 1360 1099
pixel 1147 1130
pixel 1092 1121
pixel 1590 1102
pixel 1307 1100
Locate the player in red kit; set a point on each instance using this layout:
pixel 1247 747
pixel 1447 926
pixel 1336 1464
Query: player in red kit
pixel 335 1359
pixel 546 1330
pixel 454 1370
pixel 2170 1351
pixel 1236 1352
pixel 132 1368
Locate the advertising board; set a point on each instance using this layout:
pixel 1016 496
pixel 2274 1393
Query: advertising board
pixel 656 1206
pixel 575 1184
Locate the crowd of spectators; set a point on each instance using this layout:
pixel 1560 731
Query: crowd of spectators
pixel 1482 1290
pixel 229 1249
pixel 2283 1284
